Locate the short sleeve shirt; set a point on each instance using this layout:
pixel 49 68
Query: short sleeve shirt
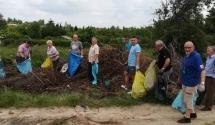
pixel 24 50
pixel 128 45
pixel 93 51
pixel 132 55
pixel 51 52
pixel 164 54
pixel 191 69
pixel 76 47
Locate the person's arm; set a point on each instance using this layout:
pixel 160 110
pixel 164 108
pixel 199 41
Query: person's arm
pixel 96 54
pixel 56 53
pixel 203 74
pixel 138 59
pixel 82 52
pixel 20 51
pixel 167 62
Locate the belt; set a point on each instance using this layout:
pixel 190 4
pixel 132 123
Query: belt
pixel 210 77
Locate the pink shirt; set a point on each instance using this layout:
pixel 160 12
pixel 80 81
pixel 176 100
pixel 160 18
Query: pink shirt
pixel 94 49
pixel 51 52
pixel 24 50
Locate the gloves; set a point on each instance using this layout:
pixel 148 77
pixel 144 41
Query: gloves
pixel 93 62
pixel 201 87
pixel 137 67
pixel 51 56
pixel 29 58
pixel 161 71
pixel 126 64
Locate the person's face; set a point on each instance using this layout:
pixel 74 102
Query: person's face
pixel 93 41
pixel 157 47
pixel 49 44
pixel 75 37
pixel 127 40
pixel 134 41
pixel 209 52
pixel 189 48
pixel 27 45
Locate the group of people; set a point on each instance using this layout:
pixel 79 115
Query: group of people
pixel 194 74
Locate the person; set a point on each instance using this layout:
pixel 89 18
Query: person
pixel 128 44
pixel 53 54
pixel 133 62
pixel 23 52
pixel 92 58
pixel 209 81
pixel 193 75
pixel 77 48
pixel 164 62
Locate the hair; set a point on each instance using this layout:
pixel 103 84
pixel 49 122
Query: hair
pixel 75 35
pixel 160 43
pixel 126 38
pixel 94 38
pixel 134 37
pixel 212 48
pixel 49 41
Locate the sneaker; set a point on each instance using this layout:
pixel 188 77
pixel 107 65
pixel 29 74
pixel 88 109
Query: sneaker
pixel 123 86
pixel 184 120
pixel 193 115
pixel 206 108
pixel 129 92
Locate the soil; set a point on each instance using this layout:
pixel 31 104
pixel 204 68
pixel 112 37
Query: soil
pixel 146 114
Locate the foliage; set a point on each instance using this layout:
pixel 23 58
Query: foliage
pixel 3 23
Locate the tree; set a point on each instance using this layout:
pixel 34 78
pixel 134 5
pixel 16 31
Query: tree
pixel 76 28
pixel 34 30
pixel 3 23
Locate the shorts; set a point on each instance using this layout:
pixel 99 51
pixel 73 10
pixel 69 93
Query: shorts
pixel 188 94
pixel 131 70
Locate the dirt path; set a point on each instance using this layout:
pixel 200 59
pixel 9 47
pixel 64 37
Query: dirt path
pixel 146 114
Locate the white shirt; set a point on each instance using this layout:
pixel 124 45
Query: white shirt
pixel 94 49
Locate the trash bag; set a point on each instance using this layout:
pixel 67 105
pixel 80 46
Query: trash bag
pixel 150 76
pixel 2 73
pixel 95 69
pixel 1 64
pixel 138 90
pixel 48 63
pixel 179 103
pixel 74 62
pixel 24 67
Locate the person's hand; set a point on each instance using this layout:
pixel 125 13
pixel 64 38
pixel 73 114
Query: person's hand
pixel 51 56
pixel 29 58
pixel 161 71
pixel 126 64
pixel 93 62
pixel 201 87
pixel 137 67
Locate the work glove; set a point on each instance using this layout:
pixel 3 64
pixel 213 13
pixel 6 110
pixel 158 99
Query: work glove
pixel 126 64
pixel 201 87
pixel 137 67
pixel 161 71
pixel 93 62
pixel 29 58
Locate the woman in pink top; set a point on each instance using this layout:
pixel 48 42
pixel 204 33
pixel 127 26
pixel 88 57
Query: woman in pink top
pixel 53 53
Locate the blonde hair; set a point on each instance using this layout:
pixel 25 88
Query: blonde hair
pixel 49 41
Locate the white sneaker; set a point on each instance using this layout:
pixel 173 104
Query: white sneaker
pixel 129 92
pixel 123 86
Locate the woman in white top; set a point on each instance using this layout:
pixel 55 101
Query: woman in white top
pixel 53 53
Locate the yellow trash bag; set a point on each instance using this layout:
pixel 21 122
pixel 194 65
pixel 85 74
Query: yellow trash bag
pixel 150 76
pixel 48 64
pixel 138 90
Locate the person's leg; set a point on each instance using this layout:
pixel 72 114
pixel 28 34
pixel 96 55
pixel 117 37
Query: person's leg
pixel 126 79
pixel 209 86
pixel 55 64
pixel 90 76
pixel 166 78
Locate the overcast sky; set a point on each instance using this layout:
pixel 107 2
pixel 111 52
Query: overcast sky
pixel 98 13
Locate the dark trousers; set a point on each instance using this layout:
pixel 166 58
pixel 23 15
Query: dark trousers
pixel 209 91
pixel 19 59
pixel 55 64
pixel 90 75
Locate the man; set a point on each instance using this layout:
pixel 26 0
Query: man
pixel 76 46
pixel 92 58
pixel 192 74
pixel 209 81
pixel 23 52
pixel 133 62
pixel 164 62
pixel 128 44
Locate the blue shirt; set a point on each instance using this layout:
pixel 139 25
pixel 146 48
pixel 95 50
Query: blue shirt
pixel 128 45
pixel 191 69
pixel 132 55
pixel 210 66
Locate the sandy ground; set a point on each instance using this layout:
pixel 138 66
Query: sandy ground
pixel 146 114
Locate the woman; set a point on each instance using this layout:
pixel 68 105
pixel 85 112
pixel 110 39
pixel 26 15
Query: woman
pixel 52 53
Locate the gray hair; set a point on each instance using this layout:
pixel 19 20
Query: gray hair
pixel 212 48
pixel 49 41
pixel 94 38
pixel 160 43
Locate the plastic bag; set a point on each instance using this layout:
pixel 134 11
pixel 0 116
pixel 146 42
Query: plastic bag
pixel 179 103
pixel 48 63
pixel 24 67
pixel 138 90
pixel 95 69
pixel 150 76
pixel 2 73
pixel 1 64
pixel 74 62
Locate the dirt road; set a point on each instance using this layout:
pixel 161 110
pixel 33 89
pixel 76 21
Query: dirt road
pixel 146 114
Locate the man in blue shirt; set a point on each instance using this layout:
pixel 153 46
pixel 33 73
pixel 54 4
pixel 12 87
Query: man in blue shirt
pixel 133 62
pixel 128 44
pixel 192 74
pixel 209 81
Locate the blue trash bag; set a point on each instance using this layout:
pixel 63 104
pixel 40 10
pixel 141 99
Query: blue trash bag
pixel 95 69
pixel 2 73
pixel 178 103
pixel 74 62
pixel 25 67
